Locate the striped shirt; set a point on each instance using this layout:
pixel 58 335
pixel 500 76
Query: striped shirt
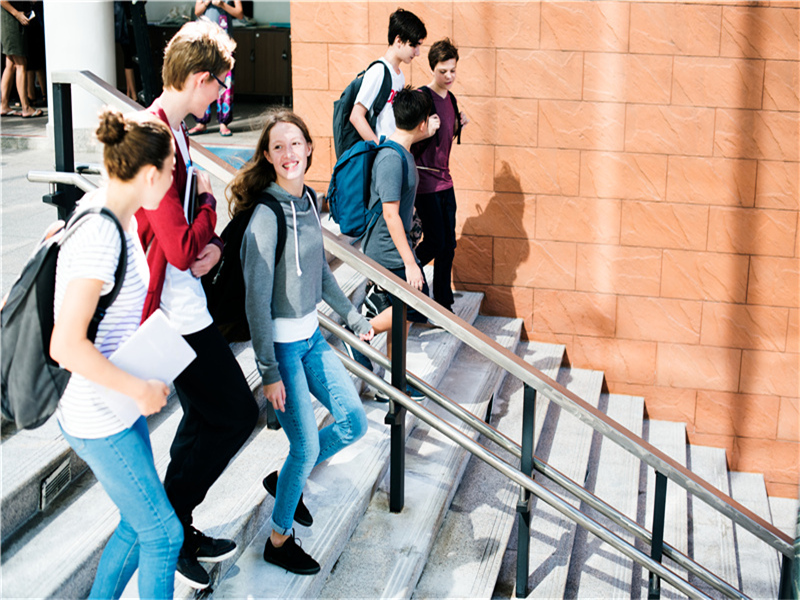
pixel 92 252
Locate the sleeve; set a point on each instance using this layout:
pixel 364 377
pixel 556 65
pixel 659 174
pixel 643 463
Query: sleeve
pixel 92 252
pixel 258 267
pixel 181 242
pixel 335 297
pixel 388 176
pixel 371 85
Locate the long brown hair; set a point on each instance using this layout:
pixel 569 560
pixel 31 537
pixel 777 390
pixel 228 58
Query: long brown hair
pixel 258 173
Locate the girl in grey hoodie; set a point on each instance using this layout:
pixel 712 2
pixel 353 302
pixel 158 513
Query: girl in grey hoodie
pixel 281 300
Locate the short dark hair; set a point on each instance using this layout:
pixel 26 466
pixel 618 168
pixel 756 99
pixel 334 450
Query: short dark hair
pixel 407 26
pixel 442 51
pixel 411 107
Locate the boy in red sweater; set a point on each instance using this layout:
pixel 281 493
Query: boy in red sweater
pixel 219 411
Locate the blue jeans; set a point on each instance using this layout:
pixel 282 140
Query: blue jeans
pixel 149 535
pixel 311 367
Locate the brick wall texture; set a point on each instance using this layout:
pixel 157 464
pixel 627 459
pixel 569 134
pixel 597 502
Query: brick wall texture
pixel 628 186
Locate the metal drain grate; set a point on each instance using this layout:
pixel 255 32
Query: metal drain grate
pixel 54 484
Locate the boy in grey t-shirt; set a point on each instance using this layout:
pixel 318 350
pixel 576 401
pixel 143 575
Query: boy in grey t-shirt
pixel 388 242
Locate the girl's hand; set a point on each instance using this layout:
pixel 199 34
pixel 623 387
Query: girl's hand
pixel 276 394
pixel 153 397
pixel 365 337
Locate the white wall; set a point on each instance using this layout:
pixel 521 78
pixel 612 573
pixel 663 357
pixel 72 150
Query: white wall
pixel 79 35
pixel 268 11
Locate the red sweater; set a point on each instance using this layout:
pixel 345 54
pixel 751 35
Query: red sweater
pixel 164 233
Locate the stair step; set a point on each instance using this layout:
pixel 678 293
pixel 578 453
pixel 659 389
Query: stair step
pixel 597 569
pixel 785 514
pixel 712 532
pixel 759 563
pixel 338 495
pixel 564 443
pixel 468 552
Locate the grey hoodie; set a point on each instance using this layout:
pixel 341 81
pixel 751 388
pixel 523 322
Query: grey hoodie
pixel 292 288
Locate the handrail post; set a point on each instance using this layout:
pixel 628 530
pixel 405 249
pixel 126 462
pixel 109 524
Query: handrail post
pixel 66 196
pixel 396 417
pixel 657 546
pixel 785 589
pixel 524 503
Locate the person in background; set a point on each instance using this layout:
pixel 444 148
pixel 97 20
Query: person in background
pixel 15 17
pixel 219 411
pixel 122 37
pixel 436 199
pixel 221 13
pixel 139 159
pixel 281 301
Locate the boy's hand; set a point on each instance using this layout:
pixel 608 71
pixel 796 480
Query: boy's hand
pixel 464 119
pixel 207 258
pixel 414 276
pixel 203 183
pixel 433 125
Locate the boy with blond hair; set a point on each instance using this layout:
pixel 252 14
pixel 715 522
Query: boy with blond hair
pixel 219 411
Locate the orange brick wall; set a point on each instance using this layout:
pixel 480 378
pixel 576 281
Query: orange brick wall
pixel 628 185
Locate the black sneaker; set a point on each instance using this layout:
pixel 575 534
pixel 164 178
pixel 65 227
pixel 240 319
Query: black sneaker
pixel 358 357
pixel 377 301
pixel 301 513
pixel 206 548
pixel 191 573
pixel 291 557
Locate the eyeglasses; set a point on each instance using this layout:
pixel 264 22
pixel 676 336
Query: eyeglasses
pixel 219 81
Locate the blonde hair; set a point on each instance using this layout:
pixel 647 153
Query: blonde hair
pixel 198 46
pixel 258 173
pixel 131 142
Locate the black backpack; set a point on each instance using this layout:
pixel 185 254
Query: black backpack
pixel 344 134
pixel 224 284
pixel 32 382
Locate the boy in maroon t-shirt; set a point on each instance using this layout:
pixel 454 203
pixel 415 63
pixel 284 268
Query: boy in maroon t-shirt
pixel 436 200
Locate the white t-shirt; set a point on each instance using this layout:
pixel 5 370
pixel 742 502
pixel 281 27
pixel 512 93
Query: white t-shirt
pixel 182 297
pixel 92 252
pixel 371 85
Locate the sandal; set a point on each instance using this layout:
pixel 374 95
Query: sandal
pixel 37 113
pixel 224 131
pixel 197 129
pixel 10 113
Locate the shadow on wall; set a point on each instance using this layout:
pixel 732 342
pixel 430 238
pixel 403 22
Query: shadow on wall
pixel 492 245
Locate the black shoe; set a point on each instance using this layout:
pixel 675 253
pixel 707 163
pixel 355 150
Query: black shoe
pixel 377 301
pixel 191 573
pixel 291 557
pixel 206 548
pixel 358 357
pixel 301 513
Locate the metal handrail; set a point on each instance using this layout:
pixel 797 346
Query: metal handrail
pixel 512 473
pixel 511 446
pixel 75 179
pixel 487 347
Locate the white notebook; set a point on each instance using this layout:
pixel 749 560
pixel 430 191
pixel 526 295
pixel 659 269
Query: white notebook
pixel 155 351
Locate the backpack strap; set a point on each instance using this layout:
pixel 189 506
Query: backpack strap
pixel 386 88
pixel 105 300
pixel 270 201
pixel 457 133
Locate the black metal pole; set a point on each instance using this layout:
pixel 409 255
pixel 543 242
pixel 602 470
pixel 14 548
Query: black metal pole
pixel 657 547
pixel 785 589
pixel 396 416
pixel 66 196
pixel 524 503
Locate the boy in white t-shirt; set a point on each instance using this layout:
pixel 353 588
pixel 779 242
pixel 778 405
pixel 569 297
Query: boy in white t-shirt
pixel 406 34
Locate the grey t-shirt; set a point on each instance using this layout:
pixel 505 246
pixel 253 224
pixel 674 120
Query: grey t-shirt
pixel 388 186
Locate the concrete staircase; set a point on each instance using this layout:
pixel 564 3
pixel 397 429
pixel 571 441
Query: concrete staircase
pixel 456 536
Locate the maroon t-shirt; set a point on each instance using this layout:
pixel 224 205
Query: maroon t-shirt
pixel 435 154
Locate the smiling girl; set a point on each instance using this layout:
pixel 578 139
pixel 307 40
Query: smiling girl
pixel 281 301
